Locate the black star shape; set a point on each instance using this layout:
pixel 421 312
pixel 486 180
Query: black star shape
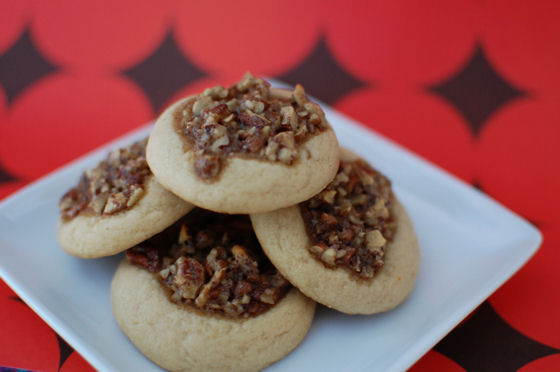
pixel 477 90
pixel 164 72
pixel 322 76
pixel 486 342
pixel 21 66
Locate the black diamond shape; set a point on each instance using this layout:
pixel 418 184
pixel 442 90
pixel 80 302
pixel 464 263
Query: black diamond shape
pixel 477 185
pixel 537 223
pixel 164 72
pixel 21 65
pixel 486 342
pixel 5 176
pixel 477 90
pixel 64 350
pixel 322 76
pixel 16 298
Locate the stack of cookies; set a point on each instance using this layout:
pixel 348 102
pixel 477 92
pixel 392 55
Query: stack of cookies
pixel 237 215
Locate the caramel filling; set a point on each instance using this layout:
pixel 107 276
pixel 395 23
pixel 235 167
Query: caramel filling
pixel 116 184
pixel 247 119
pixel 214 263
pixel 350 222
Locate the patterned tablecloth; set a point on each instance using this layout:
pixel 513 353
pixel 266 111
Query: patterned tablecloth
pixel 471 85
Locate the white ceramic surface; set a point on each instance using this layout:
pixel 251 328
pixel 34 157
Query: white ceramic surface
pixel 470 245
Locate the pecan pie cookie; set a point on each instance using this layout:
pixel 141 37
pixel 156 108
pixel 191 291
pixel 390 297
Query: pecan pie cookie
pixel 352 247
pixel 245 149
pixel 201 295
pixel 116 205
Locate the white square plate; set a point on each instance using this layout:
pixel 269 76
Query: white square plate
pixel 470 246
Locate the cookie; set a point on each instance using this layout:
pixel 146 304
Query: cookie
pixel 246 149
pixel 357 252
pixel 115 206
pixel 202 296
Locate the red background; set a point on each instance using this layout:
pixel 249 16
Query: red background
pixel 471 85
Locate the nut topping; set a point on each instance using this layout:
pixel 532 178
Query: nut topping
pixel 350 222
pixel 246 120
pixel 116 184
pixel 214 263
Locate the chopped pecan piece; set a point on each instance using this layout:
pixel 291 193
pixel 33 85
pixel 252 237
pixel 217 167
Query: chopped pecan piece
pixel 188 277
pixel 144 256
pixel 115 203
pixel 299 95
pixel 287 151
pixel 134 197
pixel 375 241
pixel 207 166
pixel 327 196
pixel 329 256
